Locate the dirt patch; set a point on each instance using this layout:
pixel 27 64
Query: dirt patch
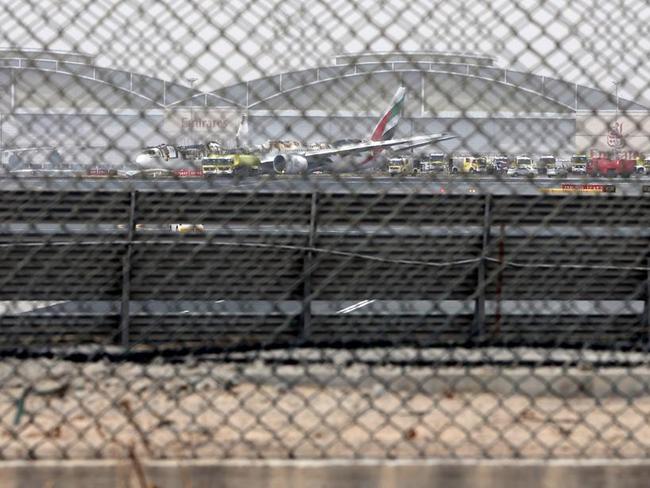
pixel 57 409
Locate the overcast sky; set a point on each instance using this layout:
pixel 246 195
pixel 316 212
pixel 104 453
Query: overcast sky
pixel 593 42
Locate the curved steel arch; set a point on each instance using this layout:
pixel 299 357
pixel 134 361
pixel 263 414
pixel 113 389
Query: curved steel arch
pixel 86 78
pixel 209 94
pixel 59 68
pixel 370 73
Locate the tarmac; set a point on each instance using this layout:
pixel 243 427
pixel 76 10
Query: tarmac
pixel 638 185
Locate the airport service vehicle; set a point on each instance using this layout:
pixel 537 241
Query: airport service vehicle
pixel 481 163
pixel 230 164
pixel 468 165
pixel 498 165
pixel 523 166
pixel 641 167
pixel 544 163
pixel 579 169
pixel 611 164
pixel 400 166
pixel 433 163
pixel 579 164
pixel 549 166
pixel 556 171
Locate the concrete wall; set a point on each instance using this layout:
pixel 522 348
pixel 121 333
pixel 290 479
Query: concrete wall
pixel 326 474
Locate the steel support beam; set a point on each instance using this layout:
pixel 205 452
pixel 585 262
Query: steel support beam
pixel 126 276
pixel 307 268
pixel 646 309
pixel 478 329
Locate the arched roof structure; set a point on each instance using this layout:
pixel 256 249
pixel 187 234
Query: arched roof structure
pixel 51 80
pixel 450 84
pixel 56 96
pixel 439 84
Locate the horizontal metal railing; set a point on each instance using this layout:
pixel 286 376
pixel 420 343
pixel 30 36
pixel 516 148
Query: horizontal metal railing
pixel 365 268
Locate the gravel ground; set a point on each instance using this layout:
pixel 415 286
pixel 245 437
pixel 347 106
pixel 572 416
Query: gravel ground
pixel 52 409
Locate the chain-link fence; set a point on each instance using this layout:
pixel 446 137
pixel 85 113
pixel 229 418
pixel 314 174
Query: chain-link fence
pixel 324 230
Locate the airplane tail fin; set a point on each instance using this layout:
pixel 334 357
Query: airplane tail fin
pixel 385 128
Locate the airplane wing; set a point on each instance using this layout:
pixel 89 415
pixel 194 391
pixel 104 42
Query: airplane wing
pixel 413 144
pixel 398 144
pixel 403 144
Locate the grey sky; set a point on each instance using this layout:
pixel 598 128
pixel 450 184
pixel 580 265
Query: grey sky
pixel 218 41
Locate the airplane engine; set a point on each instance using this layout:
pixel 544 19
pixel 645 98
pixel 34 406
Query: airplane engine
pixel 290 164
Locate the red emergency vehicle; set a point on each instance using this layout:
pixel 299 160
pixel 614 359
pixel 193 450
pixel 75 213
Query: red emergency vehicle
pixel 611 163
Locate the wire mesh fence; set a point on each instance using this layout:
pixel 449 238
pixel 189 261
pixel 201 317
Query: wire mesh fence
pixel 216 241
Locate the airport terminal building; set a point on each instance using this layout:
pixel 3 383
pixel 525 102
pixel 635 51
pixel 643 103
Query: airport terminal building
pixel 65 100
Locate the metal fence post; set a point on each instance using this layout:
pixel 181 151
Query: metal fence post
pixel 498 288
pixel 646 308
pixel 478 328
pixel 307 268
pixel 126 276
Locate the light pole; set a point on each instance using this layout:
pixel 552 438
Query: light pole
pixel 616 127
pixel 191 80
pixel 615 83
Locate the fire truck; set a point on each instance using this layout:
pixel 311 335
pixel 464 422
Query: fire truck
pixel 611 163
pixel 433 163
pixel 230 164
pixel 400 166
pixel 469 164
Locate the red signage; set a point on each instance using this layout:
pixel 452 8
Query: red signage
pixel 98 172
pixel 588 187
pixel 188 173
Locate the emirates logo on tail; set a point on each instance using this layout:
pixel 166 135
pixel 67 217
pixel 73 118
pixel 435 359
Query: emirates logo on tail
pixel 385 128
pixel 387 124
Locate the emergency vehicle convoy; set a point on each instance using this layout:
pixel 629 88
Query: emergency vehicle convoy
pixel 596 164
pixel 213 160
pixel 499 165
pixel 217 161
